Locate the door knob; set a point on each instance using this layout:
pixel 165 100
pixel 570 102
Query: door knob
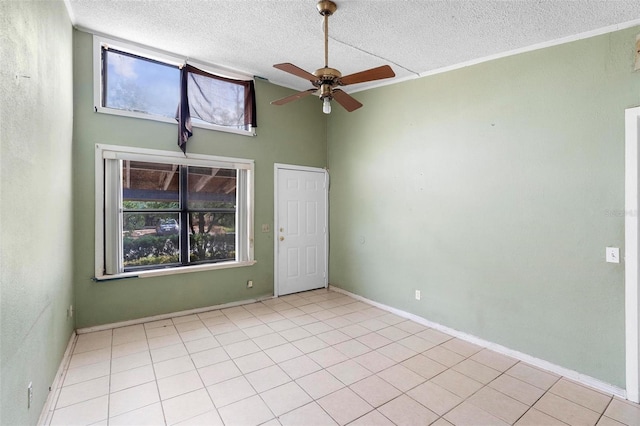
pixel 281 238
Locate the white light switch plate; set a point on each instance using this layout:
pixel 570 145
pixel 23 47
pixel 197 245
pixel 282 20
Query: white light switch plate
pixel 613 255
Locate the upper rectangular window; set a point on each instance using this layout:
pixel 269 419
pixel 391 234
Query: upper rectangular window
pixel 160 211
pixel 134 83
pixel 219 101
pixel 138 82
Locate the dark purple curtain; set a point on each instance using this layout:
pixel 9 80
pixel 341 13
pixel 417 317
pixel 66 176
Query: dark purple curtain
pixel 183 116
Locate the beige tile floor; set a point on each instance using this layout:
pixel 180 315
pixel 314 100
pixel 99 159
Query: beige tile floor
pixel 314 358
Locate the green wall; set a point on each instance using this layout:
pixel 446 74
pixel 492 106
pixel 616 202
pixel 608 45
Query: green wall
pixel 494 189
pixel 35 202
pixel 293 134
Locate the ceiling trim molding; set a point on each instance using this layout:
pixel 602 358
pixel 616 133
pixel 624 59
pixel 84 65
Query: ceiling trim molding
pixel 533 47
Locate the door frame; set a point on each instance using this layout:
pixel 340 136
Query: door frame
pixel 276 168
pixel 632 294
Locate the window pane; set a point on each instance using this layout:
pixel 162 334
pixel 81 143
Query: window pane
pixel 133 83
pixel 150 239
pixel 217 102
pixel 212 188
pixel 212 236
pixel 150 186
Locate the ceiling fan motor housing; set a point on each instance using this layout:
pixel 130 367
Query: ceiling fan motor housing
pixel 328 78
pixel 327 74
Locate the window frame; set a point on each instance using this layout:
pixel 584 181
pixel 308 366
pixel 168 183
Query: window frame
pixel 107 248
pixel 160 56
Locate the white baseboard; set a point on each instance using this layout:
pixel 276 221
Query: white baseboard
pixel 537 362
pixel 54 391
pixel 170 315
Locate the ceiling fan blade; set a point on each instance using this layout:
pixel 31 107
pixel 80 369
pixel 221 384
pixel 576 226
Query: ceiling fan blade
pixel 293 97
pixel 343 98
pixel 378 73
pixel 297 71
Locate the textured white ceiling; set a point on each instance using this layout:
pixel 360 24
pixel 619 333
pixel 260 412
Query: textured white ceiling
pixel 414 37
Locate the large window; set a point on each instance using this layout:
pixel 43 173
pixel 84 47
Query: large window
pixel 166 212
pixel 137 82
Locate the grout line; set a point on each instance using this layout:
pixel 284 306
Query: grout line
pixel 534 402
pixel 109 385
pixel 164 415
pixel 605 410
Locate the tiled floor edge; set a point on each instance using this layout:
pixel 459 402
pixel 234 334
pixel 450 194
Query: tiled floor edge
pixel 50 402
pixel 169 315
pixel 584 379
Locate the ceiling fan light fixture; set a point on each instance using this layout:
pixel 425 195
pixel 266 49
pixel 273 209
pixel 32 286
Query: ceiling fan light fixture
pixel 326 106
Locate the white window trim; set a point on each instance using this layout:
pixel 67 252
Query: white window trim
pixel 167 58
pixel 115 152
pixel 632 267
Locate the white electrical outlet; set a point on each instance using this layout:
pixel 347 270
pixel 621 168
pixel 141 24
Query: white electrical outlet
pixel 266 227
pixel 70 311
pixel 250 284
pixel 613 254
pixel 417 294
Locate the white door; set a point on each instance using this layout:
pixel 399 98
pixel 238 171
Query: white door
pixel 300 229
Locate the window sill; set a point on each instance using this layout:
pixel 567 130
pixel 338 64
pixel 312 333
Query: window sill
pixel 174 271
pixel 144 116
